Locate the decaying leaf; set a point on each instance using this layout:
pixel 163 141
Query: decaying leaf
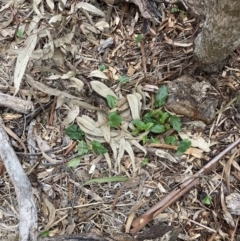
pixel 22 60
pixel 102 89
pixel 98 74
pixel 135 105
pixel 90 8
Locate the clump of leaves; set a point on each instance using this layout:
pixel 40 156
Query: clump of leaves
pixel 156 121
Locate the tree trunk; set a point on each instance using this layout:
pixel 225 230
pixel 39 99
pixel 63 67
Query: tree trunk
pixel 220 35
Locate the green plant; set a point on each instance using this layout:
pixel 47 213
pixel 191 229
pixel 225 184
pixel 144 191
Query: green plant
pixel 112 101
pixel 20 33
pixel 144 162
pixel 161 96
pixel 75 133
pixel 139 38
pixel 98 148
pixel 102 67
pixel 207 200
pixel 123 79
pixel 183 146
pixel 114 119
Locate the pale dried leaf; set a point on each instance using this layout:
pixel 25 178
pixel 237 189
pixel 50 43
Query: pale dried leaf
pixel 71 116
pixel 165 155
pixel 227 215
pixel 102 89
pixel 89 126
pixel 51 211
pixel 90 8
pixel 135 143
pixel 104 125
pixel 101 25
pixel 135 105
pixel 22 60
pixel 55 19
pixel 108 159
pixel 78 83
pixel 48 90
pixel 130 152
pixel 98 74
pixel 121 148
pixel 50 3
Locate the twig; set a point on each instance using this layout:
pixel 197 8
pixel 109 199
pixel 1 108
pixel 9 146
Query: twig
pixel 175 194
pixel 27 209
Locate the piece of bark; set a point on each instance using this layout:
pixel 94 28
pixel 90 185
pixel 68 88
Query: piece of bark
pixel 86 237
pixel 27 209
pixel 15 103
pixel 192 99
pixel 233 203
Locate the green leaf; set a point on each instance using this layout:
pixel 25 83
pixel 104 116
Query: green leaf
pixel 44 234
pixel 82 148
pixel 139 124
pixel 123 79
pixel 144 162
pixel 158 129
pixel 183 146
pixel 98 148
pixel 114 119
pixel 161 96
pixel 74 162
pixel 74 132
pixel 144 139
pixel 154 140
pixel 175 122
pixel 135 132
pixel 112 101
pixel 163 117
pixel 19 33
pixel 139 38
pixel 106 180
pixel 148 126
pixel 102 67
pixel 207 200
pixel 171 140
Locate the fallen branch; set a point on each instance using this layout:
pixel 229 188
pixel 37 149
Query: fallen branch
pixel 27 209
pixel 178 192
pixel 15 103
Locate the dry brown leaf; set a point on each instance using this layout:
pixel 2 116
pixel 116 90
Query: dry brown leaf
pixel 48 90
pixel 135 105
pixel 71 116
pixel 104 125
pixel 102 89
pixel 22 60
pixel 227 169
pixel 227 215
pixel 97 74
pixel 90 8
pixel 51 211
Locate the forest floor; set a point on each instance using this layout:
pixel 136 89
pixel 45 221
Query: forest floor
pixel 90 73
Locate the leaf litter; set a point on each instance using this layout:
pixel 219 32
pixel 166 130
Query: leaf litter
pixel 59 55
